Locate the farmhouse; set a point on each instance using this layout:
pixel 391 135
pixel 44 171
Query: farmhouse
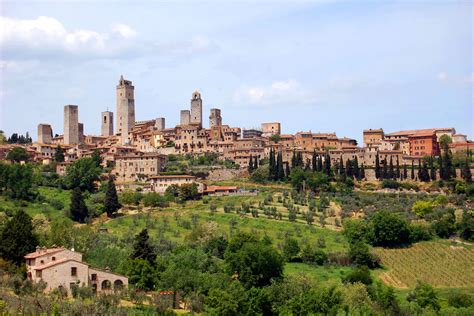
pixel 63 268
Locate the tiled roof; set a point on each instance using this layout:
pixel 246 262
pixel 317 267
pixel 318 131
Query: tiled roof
pixel 41 253
pixel 56 262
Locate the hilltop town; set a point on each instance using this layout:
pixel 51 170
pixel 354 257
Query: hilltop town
pixel 139 149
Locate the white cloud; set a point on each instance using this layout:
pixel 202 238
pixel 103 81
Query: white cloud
pixel 48 36
pixel 124 30
pixel 280 92
pixel 457 79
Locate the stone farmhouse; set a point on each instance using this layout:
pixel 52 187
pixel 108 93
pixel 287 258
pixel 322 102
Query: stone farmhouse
pixel 63 268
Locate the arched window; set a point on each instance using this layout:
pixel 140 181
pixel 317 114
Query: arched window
pixel 106 285
pixel 118 284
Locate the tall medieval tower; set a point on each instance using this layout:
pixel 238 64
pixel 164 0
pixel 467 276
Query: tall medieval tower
pixel 71 125
pixel 107 123
pixel 196 109
pixel 125 108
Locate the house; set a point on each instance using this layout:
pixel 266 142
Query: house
pixel 215 190
pixel 162 182
pixel 63 268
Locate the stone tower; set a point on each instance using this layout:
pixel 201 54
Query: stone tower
pixel 81 133
pixel 185 117
pixel 107 123
pixel 125 108
pixel 215 119
pixel 160 123
pixel 71 125
pixel 196 109
pixel 45 134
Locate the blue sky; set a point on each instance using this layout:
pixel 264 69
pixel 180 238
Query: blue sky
pixel 324 66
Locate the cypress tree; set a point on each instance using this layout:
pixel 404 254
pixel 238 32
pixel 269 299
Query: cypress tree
pixel 17 238
pixel 293 160
pixel 320 163
pixel 398 174
pixel 299 159
pixel 419 170
pixel 391 173
pixel 377 166
pixel 287 170
pixel 255 163
pixel 342 173
pixel 327 165
pixel 59 154
pixel 280 172
pixel 142 248
pixel 348 169
pixel 78 211
pixel 314 161
pixel 424 173
pixel 432 169
pixel 385 169
pixel 356 168
pixel 362 172
pixel 466 171
pixel 441 167
pixel 412 170
pixel 111 202
pixel 405 172
pixel 272 165
pixel 250 166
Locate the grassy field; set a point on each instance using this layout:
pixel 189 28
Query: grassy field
pixel 438 263
pixel 317 273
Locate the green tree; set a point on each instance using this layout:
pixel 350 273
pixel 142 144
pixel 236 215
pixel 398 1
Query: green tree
pixel 412 170
pixel 389 230
pixel 360 255
pixel 142 274
pixel 424 295
pixel 221 302
pixel 327 165
pixel 280 173
pixel 377 166
pixel 18 181
pixel 97 158
pixel 445 140
pixel 291 249
pixel 82 174
pixel 360 274
pixel 250 167
pixel 17 238
pixel 391 172
pixel 253 262
pixel 59 154
pixel 78 210
pixel 111 202
pixel 143 249
pixel 18 154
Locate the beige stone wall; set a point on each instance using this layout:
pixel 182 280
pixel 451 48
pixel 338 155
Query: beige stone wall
pixel 196 109
pixel 60 275
pixel 101 280
pixel 128 168
pixel 270 129
pixel 45 134
pixel 185 117
pixel 160 123
pixel 125 109
pixel 215 118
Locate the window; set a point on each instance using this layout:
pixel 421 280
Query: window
pixel 38 273
pixel 73 271
pixel 94 277
pixel 53 258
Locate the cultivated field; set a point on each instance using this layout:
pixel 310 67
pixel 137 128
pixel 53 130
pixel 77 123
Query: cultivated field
pixel 440 264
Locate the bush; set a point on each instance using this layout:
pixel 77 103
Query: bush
pixel 360 255
pixel 424 295
pixel 421 208
pixel 389 230
pixel 360 274
pixel 56 204
pixel 420 232
pixel 390 184
pixel 458 299
pixel 154 199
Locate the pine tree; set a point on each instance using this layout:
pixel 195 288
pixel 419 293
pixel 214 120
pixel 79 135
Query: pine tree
pixel 391 173
pixel 250 167
pixel 59 154
pixel 17 238
pixel 412 170
pixel 78 211
pixel 111 202
pixel 377 166
pixel 142 248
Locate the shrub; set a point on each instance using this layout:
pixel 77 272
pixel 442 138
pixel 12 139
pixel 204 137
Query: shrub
pixel 57 204
pixel 458 299
pixel 360 274
pixel 154 199
pixel 421 208
pixel 424 295
pixel 389 230
pixel 360 255
pixel 420 232
pixel 390 184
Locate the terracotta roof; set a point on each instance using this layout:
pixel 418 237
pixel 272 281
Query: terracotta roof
pixel 179 176
pixel 56 262
pixel 213 188
pixel 419 131
pixel 41 253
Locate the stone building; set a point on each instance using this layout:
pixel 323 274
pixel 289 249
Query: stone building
pixel 251 133
pixel 125 108
pixel 215 118
pixel 160 124
pixel 45 134
pixel 107 123
pixel 372 136
pixel 80 129
pixel 71 125
pixel 138 166
pixel 196 109
pixel 161 182
pixel 269 129
pixel 185 117
pixel 63 268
